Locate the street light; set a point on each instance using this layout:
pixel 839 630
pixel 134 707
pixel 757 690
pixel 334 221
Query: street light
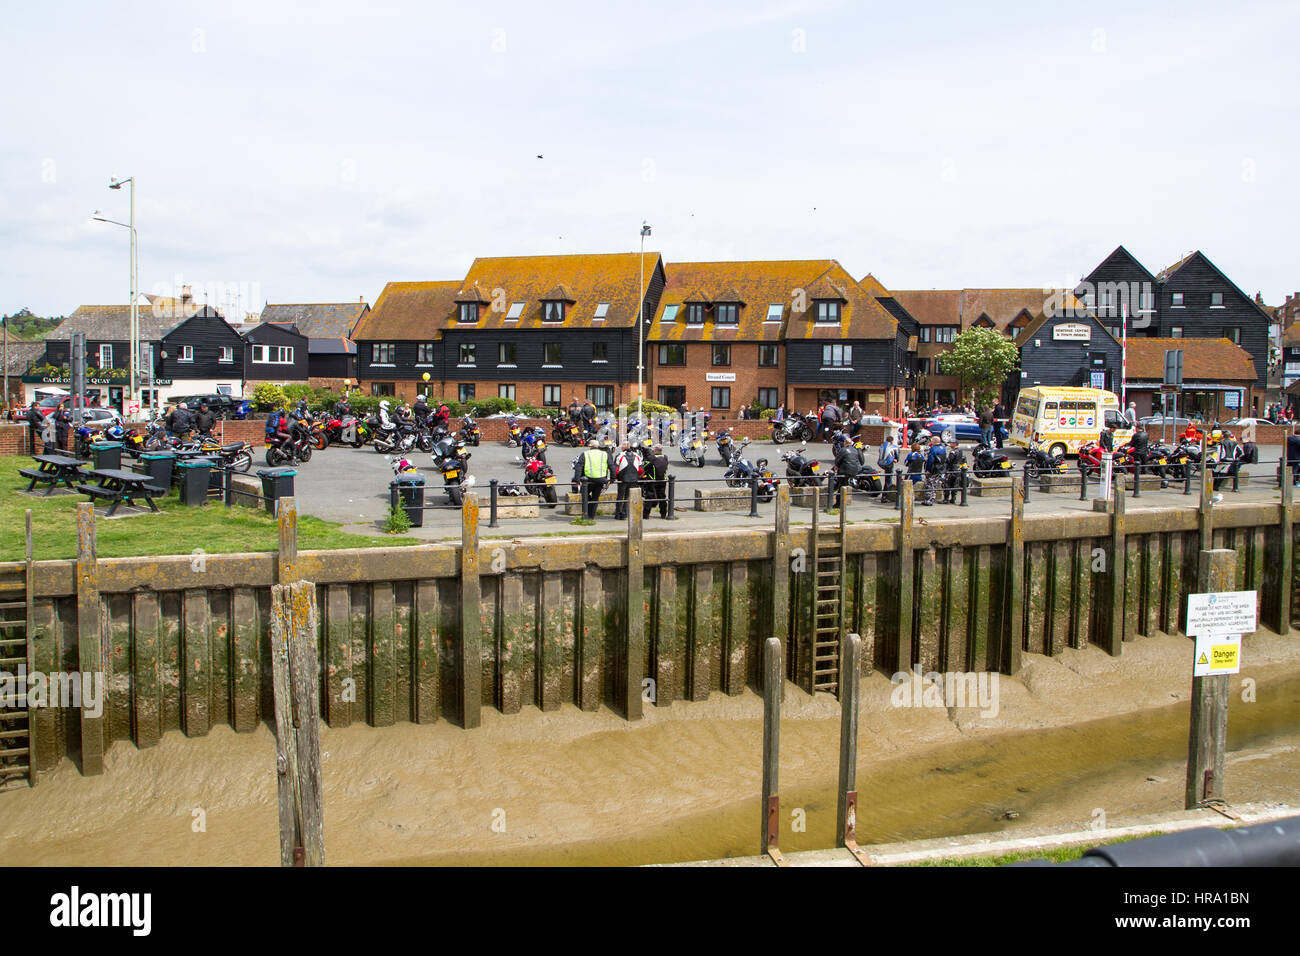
pixel 640 330
pixel 115 183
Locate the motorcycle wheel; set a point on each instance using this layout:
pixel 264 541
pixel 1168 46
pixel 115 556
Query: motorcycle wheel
pixel 700 461
pixel 778 436
pixel 242 462
pixel 320 440
pixel 272 457
pixel 358 442
pixel 475 442
pixel 1031 471
pixel 454 495
pixel 305 455
pixel 426 443
pixel 381 447
pixel 551 497
pixel 765 495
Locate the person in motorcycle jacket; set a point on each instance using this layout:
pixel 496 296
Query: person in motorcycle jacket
pixel 627 472
pixel 441 416
pixel 384 419
pixel 404 417
pixel 421 410
pixel 887 459
pixel 1142 449
pixel 954 471
pixel 848 462
pixel 342 408
pixel 204 420
pixel 300 412
pixel 936 462
pixel 655 487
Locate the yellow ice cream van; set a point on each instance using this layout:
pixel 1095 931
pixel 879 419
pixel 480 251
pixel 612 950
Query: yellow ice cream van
pixel 1060 420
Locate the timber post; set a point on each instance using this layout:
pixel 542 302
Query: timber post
pixel 634 648
pixel 781 566
pixel 773 680
pixel 286 563
pixel 850 694
pixel 1207 737
pixel 89 640
pixel 1015 590
pixel 470 660
pixel 903 601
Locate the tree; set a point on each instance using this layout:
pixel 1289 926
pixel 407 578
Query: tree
pixel 983 358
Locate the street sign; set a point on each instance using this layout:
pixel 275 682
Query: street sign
pixel 1217 654
pixel 1173 366
pixel 1222 612
pixel 1232 399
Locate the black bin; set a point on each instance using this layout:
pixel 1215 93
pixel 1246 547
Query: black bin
pixel 106 455
pixel 409 489
pixel 194 476
pixel 277 483
pixel 158 466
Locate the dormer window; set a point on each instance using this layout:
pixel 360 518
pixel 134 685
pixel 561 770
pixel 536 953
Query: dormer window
pixel 828 312
pixel 695 313
pixel 727 313
pixel 552 311
pixel 468 312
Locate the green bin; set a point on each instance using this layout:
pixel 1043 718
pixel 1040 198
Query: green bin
pixel 107 455
pixel 158 466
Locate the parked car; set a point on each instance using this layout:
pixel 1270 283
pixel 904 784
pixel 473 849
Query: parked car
pixel 1247 422
pixel 1158 421
pixel 223 406
pixel 966 427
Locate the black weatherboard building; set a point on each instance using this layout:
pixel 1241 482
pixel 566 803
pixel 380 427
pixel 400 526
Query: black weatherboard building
pixel 1068 349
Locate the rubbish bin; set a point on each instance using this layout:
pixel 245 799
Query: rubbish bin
pixel 277 483
pixel 194 475
pixel 409 489
pixel 106 455
pixel 158 466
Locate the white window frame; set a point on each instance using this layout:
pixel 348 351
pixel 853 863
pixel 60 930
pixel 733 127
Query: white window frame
pixel 1220 304
pixel 515 311
pixel 227 354
pixel 473 355
pixel 671 312
pixel 502 345
pixel 421 346
pixel 602 310
pixel 105 349
pixel 187 354
pixel 846 357
pixel 284 355
pixel 502 388
pixel 779 307
pixel 1176 300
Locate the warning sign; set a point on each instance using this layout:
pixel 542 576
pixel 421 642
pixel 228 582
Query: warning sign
pixel 1217 654
pixel 1223 612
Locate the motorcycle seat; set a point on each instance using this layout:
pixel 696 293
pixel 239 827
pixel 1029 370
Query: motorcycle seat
pixel 234 446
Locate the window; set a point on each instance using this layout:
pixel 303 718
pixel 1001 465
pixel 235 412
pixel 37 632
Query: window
pixel 1116 333
pixel 468 312
pixel 1176 300
pixel 551 395
pixel 670 313
pixel 600 351
pixel 828 312
pixel 468 351
pixel 552 353
pixel 1176 332
pixel 695 313
pixel 1089 300
pixel 553 312
pixel 506 354
pixel 728 314
pixel 721 397
pixel 273 354
pixel 1216 300
pixel 674 396
pixel 227 353
pixel 925 333
pixel 602 396
pixel 187 353
pixel 1105 298
pixel 465 392
pixel 381 353
pixel 674 354
pixel 774 312
pixel 424 353
pixel 945 333
pixel 106 356
pixel 767 397
pixel 1233 334
pixel 722 355
pixel 382 388
pixel 602 310
pixel 1146 302
pixel 837 356
pixel 516 310
pixel 923 366
pixel 768 356
pixel 506 391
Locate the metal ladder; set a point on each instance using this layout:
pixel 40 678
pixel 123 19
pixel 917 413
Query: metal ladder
pixel 17 743
pixel 828 598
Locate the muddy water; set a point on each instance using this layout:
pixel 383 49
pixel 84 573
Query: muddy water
pixel 1074 734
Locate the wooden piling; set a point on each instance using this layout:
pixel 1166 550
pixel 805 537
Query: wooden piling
pixel 1207 737
pixel 773 680
pixel 286 563
pixel 469 662
pixel 1013 632
pixel 905 595
pixel 634 641
pixel 781 566
pixel 297 724
pixel 850 693
pixel 89 648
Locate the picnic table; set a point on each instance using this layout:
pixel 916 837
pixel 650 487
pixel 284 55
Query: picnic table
pixel 54 470
pixel 120 486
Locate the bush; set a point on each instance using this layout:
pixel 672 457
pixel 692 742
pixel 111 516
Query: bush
pixel 490 406
pixel 650 409
pixel 296 393
pixel 399 522
pixel 767 413
pixel 268 396
pixel 363 405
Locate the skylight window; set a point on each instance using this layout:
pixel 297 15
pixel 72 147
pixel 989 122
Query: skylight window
pixel 516 310
pixel 670 313
pixel 602 310
pixel 774 312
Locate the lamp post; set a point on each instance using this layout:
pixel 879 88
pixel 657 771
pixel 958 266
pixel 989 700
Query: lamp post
pixel 134 334
pixel 640 330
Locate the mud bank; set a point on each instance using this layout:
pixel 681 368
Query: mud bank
pixel 1075 735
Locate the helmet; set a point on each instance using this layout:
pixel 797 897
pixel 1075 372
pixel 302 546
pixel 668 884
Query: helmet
pixel 384 405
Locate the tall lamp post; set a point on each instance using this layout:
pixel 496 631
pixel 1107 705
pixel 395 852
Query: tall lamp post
pixel 115 183
pixel 640 331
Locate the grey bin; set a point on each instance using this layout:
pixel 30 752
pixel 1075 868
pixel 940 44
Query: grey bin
pixel 277 483
pixel 409 488
pixel 106 455
pixel 158 466
pixel 194 477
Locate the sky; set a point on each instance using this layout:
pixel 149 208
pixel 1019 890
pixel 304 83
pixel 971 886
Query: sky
pixel 314 152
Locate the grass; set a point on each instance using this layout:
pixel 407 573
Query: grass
pixel 214 528
pixel 1057 855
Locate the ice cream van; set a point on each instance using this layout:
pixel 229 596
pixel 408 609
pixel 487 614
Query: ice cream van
pixel 1060 420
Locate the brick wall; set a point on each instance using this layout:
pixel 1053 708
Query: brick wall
pixel 750 377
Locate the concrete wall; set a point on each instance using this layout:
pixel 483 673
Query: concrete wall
pixel 184 644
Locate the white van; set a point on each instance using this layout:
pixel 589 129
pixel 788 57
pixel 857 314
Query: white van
pixel 1061 420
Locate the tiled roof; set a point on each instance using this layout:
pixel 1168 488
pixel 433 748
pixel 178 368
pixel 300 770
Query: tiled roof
pixel 1164 274
pixel 471 294
pixel 759 285
pixel 409 310
pixel 1216 360
pixel 316 319
pixel 965 306
pixel 23 354
pixel 113 322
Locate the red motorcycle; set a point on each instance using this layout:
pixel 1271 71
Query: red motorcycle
pixel 1122 459
pixel 540 480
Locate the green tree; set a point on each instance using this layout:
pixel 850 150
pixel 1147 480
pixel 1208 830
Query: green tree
pixel 268 396
pixel 982 358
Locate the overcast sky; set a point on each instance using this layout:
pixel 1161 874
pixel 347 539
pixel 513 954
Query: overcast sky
pixel 315 152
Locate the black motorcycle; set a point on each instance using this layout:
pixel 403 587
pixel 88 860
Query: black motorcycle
pixel 800 470
pixel 470 433
pixel 741 472
pixel 989 464
pixel 455 473
pixel 294 447
pixel 1039 462
pixel 725 445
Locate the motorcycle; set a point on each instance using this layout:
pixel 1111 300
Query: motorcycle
pixel 296 446
pixel 791 428
pixel 1039 462
pixel 800 470
pixel 513 436
pixel 539 480
pixel 565 431
pixel 989 464
pixel 725 445
pixel 395 437
pixel 740 473
pixel 692 449
pixel 455 477
pixel 470 433
pixel 320 438
pixel 237 456
pixel 534 444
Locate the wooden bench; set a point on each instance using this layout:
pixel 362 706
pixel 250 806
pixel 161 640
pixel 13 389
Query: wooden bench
pixel 122 487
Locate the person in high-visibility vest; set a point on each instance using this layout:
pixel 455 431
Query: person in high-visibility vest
pixel 595 471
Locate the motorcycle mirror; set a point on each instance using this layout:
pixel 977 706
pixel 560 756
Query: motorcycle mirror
pixel 469 481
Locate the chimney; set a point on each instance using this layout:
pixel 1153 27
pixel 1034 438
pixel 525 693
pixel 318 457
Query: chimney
pixel 187 293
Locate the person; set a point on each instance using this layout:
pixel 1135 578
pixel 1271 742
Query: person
pixel 35 422
pixel 627 471
pixel 575 410
pixel 204 420
pixel 1192 436
pixel 441 416
pixel 61 427
pixel 954 471
pixel 1141 446
pixel 779 414
pixel 848 463
pixel 178 421
pixel 887 458
pixel 343 408
pixel 936 460
pixel 704 417
pixel 588 418
pixel 1293 453
pixel 421 411
pixel 1132 413
pixel 855 419
pixel 741 414
pixel 999 422
pixel 915 464
pixel 986 426
pixel 594 466
pixel 1231 457
pixel 655 487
